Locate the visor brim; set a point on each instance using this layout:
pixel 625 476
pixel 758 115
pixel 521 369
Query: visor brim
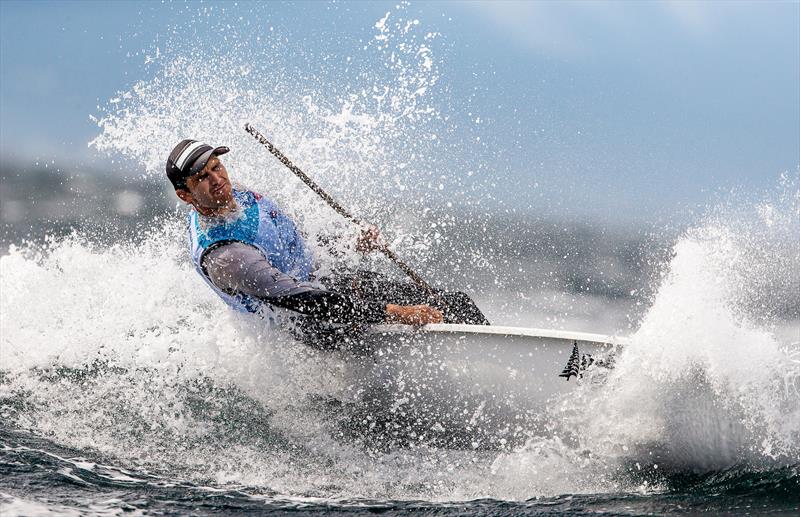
pixel 202 160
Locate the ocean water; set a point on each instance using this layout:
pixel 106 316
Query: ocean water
pixel 127 387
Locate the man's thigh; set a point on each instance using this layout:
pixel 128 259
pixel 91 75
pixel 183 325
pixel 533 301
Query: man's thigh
pixel 456 306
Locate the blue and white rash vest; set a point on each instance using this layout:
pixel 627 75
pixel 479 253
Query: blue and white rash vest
pixel 260 224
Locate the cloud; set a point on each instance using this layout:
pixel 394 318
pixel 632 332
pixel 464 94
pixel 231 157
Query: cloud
pixel 574 29
pixel 694 17
pixel 537 25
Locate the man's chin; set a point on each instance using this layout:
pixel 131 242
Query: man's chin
pixel 223 198
pixel 223 202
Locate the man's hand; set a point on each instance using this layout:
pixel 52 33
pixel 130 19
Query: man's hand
pixel 369 240
pixel 413 314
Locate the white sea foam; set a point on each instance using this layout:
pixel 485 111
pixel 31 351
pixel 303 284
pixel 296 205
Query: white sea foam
pixel 708 371
pixel 710 379
pixel 154 371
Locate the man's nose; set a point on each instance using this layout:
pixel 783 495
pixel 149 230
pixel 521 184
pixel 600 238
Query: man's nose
pixel 215 177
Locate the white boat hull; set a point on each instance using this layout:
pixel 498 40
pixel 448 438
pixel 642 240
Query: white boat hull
pixel 510 360
pixel 473 378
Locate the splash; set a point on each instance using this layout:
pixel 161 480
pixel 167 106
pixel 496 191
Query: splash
pixel 369 124
pixel 721 341
pixel 151 372
pixel 711 378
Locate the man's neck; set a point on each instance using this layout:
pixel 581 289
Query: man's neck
pixel 220 211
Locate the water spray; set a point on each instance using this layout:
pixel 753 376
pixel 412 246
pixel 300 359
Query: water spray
pixel 382 247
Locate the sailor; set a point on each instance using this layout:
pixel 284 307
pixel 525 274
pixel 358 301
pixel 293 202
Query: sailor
pixel 253 256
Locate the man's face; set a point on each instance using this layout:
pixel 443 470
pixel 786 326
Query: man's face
pixel 210 188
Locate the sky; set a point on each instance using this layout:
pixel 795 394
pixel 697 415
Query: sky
pixel 613 110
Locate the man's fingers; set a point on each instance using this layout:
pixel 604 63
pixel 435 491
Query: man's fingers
pixel 435 316
pixel 424 314
pixel 429 315
pixel 414 314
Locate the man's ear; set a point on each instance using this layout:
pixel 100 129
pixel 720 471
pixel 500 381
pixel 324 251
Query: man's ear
pixel 185 196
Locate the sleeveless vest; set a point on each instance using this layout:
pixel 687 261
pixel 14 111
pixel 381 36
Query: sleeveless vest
pixel 260 224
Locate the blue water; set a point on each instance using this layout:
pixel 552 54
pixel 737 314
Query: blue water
pixel 39 477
